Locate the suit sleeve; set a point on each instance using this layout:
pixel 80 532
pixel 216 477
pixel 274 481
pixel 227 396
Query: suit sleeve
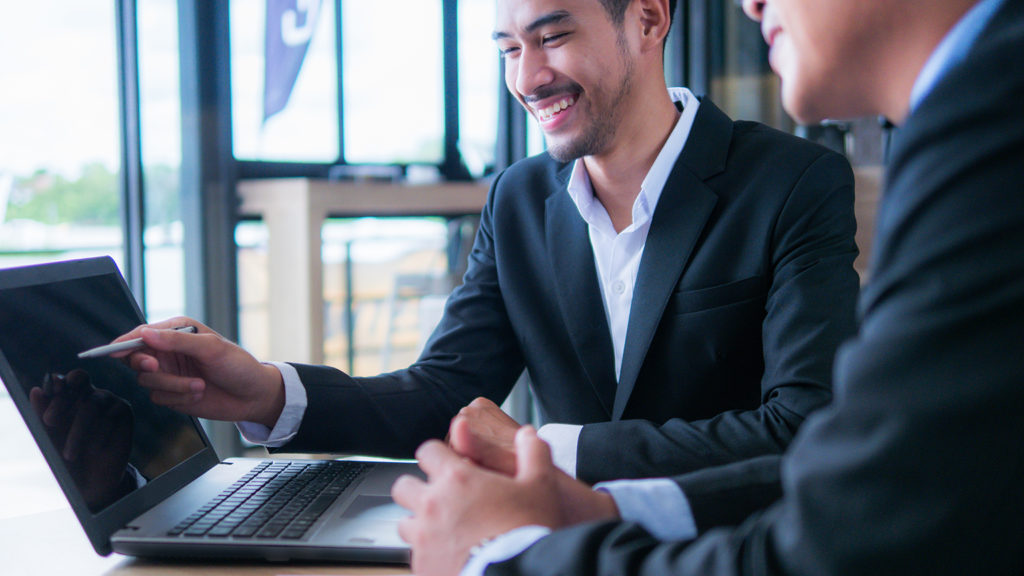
pixel 809 311
pixel 916 466
pixel 391 414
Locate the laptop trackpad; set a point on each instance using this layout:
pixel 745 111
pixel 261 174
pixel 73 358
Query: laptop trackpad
pixel 368 521
pixel 375 508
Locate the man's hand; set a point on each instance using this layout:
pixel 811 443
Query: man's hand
pixel 485 434
pixel 204 374
pixel 92 429
pixel 462 504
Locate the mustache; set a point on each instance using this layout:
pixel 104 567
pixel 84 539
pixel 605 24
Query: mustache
pixel 552 90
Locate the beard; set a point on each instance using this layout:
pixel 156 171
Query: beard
pixel 599 134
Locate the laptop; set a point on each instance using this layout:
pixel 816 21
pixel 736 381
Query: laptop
pixel 143 479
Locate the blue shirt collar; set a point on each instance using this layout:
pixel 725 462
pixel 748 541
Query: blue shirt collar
pixel 953 49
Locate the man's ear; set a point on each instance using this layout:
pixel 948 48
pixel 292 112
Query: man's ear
pixel 654 19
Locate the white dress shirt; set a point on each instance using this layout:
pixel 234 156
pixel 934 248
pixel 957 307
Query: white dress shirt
pixel 617 255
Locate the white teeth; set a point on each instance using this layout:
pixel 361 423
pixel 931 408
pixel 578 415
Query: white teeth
pixel 546 113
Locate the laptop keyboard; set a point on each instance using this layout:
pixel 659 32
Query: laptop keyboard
pixel 275 499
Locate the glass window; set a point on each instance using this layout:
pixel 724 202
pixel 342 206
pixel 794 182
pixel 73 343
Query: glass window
pixel 59 155
pixel 384 281
pixel 306 128
pixel 478 85
pixel 394 81
pixel 59 184
pixel 160 103
pixel 396 268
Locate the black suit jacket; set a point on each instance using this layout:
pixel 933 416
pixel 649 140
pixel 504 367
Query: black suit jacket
pixel 918 465
pixel 745 289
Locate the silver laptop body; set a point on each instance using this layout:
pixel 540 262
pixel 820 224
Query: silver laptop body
pixel 137 474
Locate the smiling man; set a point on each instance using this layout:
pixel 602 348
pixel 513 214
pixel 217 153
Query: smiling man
pixel 720 253
pixel 916 466
pixel 675 283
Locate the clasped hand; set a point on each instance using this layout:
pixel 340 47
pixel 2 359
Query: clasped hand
pixel 494 477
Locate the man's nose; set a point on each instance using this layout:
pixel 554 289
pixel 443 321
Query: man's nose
pixel 754 9
pixel 533 71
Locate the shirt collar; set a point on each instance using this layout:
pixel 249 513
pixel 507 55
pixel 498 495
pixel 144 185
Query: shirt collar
pixel 582 191
pixel 953 49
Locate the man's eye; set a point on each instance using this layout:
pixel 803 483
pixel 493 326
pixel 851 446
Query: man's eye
pixel 506 52
pixel 555 37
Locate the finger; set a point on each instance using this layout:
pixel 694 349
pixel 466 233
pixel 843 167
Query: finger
pixel 483 450
pixel 179 402
pixel 163 325
pixel 533 455
pixel 488 410
pixel 407 528
pixel 171 384
pixel 451 426
pixel 434 456
pixel 188 344
pixel 143 361
pixel 408 491
pixel 60 406
pixel 48 383
pixel 483 403
pixel 79 384
pixel 82 424
pixel 38 399
pixel 459 437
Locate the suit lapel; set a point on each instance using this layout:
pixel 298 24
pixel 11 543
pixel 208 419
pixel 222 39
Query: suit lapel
pixel 685 205
pixel 579 297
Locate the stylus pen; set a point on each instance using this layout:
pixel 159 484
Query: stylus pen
pixel 132 344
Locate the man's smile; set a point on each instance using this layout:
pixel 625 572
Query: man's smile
pixel 552 110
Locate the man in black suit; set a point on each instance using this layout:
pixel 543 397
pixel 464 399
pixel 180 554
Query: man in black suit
pixel 674 282
pixel 917 465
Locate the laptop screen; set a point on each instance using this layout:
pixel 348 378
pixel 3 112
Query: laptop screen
pixel 111 439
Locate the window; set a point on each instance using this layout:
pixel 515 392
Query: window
pixel 59 156
pixel 306 129
pixel 365 90
pixel 478 85
pixel 380 275
pixel 160 110
pixel 59 167
pixel 394 94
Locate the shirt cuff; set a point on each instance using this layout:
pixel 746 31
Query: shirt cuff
pixel 502 548
pixel 657 504
pixel 564 440
pixel 291 417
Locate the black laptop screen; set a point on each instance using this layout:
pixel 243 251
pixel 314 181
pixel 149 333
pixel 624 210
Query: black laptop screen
pixel 110 437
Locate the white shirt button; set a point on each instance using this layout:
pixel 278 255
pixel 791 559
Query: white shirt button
pixel 619 287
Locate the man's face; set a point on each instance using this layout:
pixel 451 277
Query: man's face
pixel 823 50
pixel 570 67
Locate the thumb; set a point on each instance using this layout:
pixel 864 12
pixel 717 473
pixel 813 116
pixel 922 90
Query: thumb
pixel 533 455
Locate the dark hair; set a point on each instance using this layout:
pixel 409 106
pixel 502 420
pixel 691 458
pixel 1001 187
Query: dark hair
pixel 616 10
